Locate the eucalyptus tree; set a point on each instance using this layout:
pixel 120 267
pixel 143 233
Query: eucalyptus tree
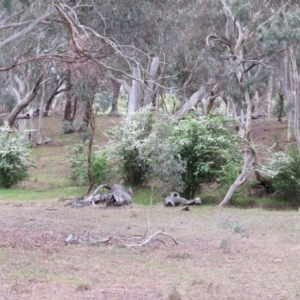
pixel 239 62
pixel 280 37
pixel 142 31
pixel 18 21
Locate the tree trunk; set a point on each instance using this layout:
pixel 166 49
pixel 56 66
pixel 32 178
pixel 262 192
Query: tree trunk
pixel 249 161
pixel 281 104
pixel 150 87
pixel 192 102
pixel 68 116
pixel 134 93
pixel 269 95
pixel 89 158
pixel 24 103
pixel 114 103
pixel 295 93
pixel 39 133
pixel 87 117
pixel 58 90
pixel 249 153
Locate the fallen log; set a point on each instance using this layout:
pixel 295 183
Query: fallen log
pixel 175 200
pixel 117 196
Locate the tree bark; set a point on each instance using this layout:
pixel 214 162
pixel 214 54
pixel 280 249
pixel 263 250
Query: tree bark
pixel 281 104
pixel 114 103
pixel 249 161
pixel 59 89
pixel 134 93
pixel 269 95
pixel 25 102
pixel 68 116
pixel 192 102
pixel 89 158
pixel 295 94
pixel 87 116
pixel 150 87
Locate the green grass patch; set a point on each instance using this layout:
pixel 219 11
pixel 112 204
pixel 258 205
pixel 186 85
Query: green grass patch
pixel 19 194
pixel 142 196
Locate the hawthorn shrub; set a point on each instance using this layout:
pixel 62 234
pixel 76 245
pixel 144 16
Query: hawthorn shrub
pixel 15 157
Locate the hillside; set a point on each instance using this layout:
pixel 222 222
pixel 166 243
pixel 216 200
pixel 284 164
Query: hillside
pixel 51 176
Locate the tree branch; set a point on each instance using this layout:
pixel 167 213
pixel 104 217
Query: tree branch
pixel 25 30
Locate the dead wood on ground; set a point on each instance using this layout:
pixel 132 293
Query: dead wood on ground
pixel 121 241
pixel 175 200
pixel 117 195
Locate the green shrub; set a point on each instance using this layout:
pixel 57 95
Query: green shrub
pixel 183 154
pixel 78 163
pixel 208 147
pixel 128 139
pixel 14 157
pixel 284 169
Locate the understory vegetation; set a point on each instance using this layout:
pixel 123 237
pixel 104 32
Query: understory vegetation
pixel 181 154
pixel 15 157
pixel 284 170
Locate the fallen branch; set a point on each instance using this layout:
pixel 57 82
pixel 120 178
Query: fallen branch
pixel 150 239
pixel 89 240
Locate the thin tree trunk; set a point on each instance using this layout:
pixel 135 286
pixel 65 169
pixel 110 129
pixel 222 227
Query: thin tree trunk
pixel 281 104
pixel 249 154
pixel 89 158
pixel 55 93
pixel 68 116
pixel 39 135
pixel 249 161
pixel 269 95
pixel 87 117
pixel 114 103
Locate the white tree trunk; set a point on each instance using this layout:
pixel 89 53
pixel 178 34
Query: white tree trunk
pixel 249 160
pixel 269 95
pixel 134 93
pixel 295 93
pixel 192 102
pixel 41 113
pixel 150 87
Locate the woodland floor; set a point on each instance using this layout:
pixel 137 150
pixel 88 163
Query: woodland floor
pixel 221 253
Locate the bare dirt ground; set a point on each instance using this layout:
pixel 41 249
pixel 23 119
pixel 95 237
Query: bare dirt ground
pixel 221 254
pixel 266 133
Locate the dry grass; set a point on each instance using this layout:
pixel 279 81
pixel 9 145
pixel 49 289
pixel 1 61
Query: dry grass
pixel 222 254
pixel 262 261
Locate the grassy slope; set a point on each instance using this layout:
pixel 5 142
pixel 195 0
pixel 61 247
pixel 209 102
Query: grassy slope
pixel 50 179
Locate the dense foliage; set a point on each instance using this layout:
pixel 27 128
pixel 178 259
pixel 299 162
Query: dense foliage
pixel 284 169
pixel 14 157
pixel 205 146
pixel 126 149
pixel 181 153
